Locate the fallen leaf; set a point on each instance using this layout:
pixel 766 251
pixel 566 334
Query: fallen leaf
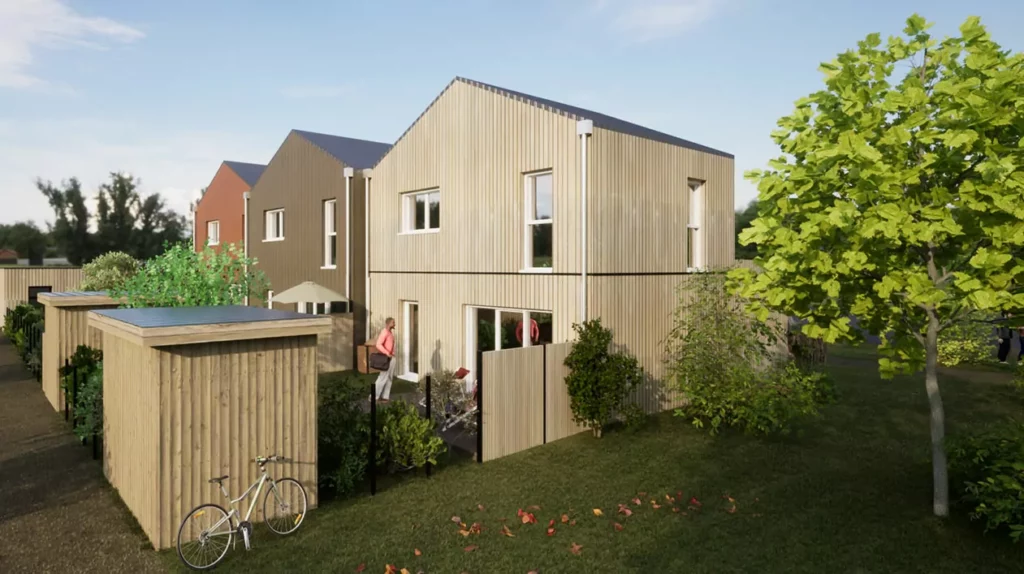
pixel 679 495
pixel 533 507
pixel 551 531
pixel 655 505
pixel 417 552
pixel 730 499
pixel 623 509
pixel 619 527
pixel 507 532
pixel 552 523
pixel 695 502
pixel 404 571
pixel 597 512
pixel 464 532
pixel 675 509
pixel 637 502
pixel 669 498
pixel 456 519
pixel 389 569
pixel 480 507
pixel 565 518
pixel 520 512
pixel 732 510
pixel 529 518
pixel 361 567
pixel 471 548
pixel 572 522
pixel 575 548
pixel 476 528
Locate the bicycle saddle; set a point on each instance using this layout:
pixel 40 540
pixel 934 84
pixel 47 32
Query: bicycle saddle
pixel 219 479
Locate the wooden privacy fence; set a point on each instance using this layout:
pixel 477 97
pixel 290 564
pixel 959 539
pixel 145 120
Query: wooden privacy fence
pixel 524 398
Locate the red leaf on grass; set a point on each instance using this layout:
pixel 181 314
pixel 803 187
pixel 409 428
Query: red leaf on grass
pixel 456 519
pixel 476 528
pixel 507 532
pixel 390 569
pixel 417 552
pixel 572 522
pixel 480 507
pixel 732 510
pixel 619 527
pixel 552 523
pixel 565 518
pixel 361 567
pixel 471 548
pixel 575 548
pixel 655 505
pixel 623 509
pixel 551 531
pixel 695 502
pixel 529 518
pixel 637 502
pixel 519 512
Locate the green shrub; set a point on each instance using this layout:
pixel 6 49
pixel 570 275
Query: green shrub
pixel 599 379
pixel 89 404
pixel 108 271
pixel 988 470
pixel 725 364
pixel 407 439
pixel 967 341
pixel 343 435
pixel 80 364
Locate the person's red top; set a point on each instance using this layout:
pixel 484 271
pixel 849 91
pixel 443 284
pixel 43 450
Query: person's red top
pixel 386 342
pixel 534 331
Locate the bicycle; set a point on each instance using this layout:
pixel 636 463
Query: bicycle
pixel 288 494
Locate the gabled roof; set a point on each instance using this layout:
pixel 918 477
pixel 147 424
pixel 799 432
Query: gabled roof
pixel 249 172
pixel 357 154
pixel 600 120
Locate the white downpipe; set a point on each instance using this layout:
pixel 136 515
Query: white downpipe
pixel 583 128
pixel 245 236
pixel 366 247
pixel 349 173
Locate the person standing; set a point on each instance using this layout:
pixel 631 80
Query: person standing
pixel 386 347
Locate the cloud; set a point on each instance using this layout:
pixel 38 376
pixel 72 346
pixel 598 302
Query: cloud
pixel 310 92
pixel 176 165
pixel 649 20
pixel 28 25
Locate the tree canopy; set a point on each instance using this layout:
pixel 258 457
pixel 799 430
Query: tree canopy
pixel 899 199
pixel 744 217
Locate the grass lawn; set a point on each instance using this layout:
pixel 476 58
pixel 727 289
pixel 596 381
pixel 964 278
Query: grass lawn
pixel 852 493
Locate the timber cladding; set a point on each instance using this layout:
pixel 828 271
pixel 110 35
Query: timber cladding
pixel 178 414
pixel 18 284
pixel 67 327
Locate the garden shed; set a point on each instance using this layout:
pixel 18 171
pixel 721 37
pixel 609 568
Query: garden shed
pixel 192 393
pixel 23 283
pixel 67 327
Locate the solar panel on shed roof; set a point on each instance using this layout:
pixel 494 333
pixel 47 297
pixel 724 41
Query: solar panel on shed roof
pixel 193 316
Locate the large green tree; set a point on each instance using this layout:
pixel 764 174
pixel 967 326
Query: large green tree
pixel 744 217
pixel 70 230
pixel 899 200
pixel 24 237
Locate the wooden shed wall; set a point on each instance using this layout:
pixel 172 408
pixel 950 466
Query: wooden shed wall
pixel 66 329
pixel 15 281
pixel 223 405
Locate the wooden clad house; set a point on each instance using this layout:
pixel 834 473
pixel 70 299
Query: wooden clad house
pixel 306 222
pixel 499 219
pixel 219 216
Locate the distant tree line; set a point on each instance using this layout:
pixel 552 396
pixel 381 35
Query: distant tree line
pixel 743 218
pixel 124 221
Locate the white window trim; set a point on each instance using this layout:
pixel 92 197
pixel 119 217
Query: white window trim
pixel 471 332
pixel 697 215
pixel 529 197
pixel 266 228
pixel 407 375
pixel 329 234
pixel 409 212
pixel 215 223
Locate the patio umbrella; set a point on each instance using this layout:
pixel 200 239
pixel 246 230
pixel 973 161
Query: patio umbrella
pixel 308 292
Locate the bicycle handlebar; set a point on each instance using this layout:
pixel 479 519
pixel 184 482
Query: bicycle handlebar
pixel 261 460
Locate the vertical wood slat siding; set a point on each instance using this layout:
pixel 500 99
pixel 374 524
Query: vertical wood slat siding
pixel 513 403
pixel 638 205
pixel 559 412
pixel 66 329
pixel 336 351
pixel 15 281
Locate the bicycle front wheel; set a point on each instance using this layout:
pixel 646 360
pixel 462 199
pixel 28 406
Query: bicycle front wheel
pixel 284 507
pixel 204 537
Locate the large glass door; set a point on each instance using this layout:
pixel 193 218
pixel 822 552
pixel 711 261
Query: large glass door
pixel 412 340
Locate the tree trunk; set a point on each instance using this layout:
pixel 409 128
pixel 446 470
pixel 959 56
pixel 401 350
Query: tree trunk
pixel 940 478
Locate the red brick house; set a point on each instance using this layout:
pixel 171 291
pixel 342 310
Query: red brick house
pixel 219 215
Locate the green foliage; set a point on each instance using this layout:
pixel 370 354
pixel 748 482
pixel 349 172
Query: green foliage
pixel 407 439
pixel 16 326
pixel 89 404
pixel 723 362
pixel 968 340
pixel 181 277
pixel 599 379
pixel 24 315
pixel 1018 378
pixel 988 467
pixel 24 237
pixel 84 361
pixel 108 271
pixel 343 437
pixel 743 219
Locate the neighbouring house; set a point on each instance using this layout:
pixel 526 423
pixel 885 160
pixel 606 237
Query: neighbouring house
pixel 23 284
pixel 218 216
pixel 499 219
pixel 306 222
pixel 8 257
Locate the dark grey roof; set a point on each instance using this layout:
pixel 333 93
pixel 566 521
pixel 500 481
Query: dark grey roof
pixel 189 316
pixel 77 294
pixel 357 154
pixel 249 172
pixel 600 120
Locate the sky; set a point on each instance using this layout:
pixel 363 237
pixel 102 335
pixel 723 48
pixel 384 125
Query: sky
pixel 165 91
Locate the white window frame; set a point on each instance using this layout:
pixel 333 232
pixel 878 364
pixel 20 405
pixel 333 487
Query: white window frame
pixel 213 237
pixel 409 212
pixel 270 299
pixel 310 308
pixel 407 374
pixel 277 226
pixel 529 221
pixel 330 210
pixel 696 198
pixel 471 332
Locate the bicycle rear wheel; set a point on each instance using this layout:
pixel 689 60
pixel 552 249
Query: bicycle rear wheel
pixel 284 507
pixel 205 536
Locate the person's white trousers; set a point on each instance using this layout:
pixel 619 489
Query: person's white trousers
pixel 383 384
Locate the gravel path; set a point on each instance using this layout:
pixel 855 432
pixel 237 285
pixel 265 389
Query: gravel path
pixel 57 512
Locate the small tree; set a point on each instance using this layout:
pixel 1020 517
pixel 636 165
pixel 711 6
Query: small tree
pixel 599 380
pixel 181 277
pixel 899 201
pixel 108 271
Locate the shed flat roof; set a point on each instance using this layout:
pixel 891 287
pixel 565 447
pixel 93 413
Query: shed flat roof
pixel 162 326
pixel 76 298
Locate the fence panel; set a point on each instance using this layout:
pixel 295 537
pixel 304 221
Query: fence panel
pixel 513 401
pixel 335 351
pixel 559 413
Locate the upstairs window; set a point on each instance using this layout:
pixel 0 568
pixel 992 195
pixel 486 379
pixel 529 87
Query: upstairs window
pixel 695 231
pixel 273 228
pixel 213 232
pixel 538 238
pixel 421 211
pixel 330 234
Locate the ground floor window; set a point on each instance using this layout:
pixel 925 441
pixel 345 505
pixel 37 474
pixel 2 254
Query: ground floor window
pixel 411 340
pixel 323 308
pixel 496 329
